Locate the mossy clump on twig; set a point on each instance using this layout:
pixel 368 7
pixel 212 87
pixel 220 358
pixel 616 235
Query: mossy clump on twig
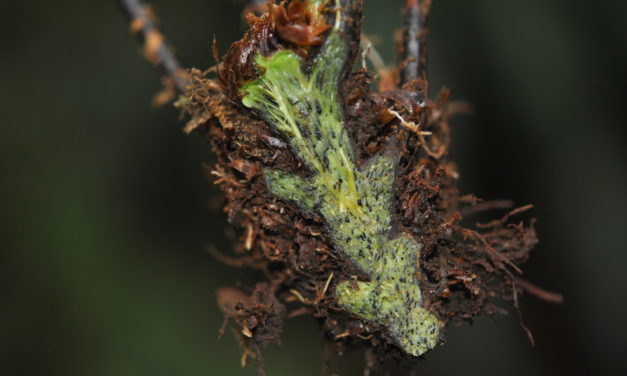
pixel 344 197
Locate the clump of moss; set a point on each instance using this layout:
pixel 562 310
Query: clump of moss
pixel 346 210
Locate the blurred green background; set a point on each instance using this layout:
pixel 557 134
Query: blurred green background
pixel 106 214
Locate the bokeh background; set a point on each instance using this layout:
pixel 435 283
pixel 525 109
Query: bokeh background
pixel 106 216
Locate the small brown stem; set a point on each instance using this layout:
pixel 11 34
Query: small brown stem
pixel 413 45
pixel 485 206
pixel 155 49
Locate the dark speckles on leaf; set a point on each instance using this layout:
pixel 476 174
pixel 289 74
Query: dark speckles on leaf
pixel 355 204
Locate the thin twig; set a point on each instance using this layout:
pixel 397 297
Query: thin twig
pixel 413 47
pixel 156 50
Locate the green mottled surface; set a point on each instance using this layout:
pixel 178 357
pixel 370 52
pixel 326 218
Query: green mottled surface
pixel 356 203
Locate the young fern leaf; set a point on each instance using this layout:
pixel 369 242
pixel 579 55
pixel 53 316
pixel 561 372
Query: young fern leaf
pixel 355 203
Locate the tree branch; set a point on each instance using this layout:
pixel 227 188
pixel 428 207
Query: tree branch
pixel 155 49
pixel 413 46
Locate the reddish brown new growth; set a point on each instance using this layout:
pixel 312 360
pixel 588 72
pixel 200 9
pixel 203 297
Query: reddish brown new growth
pixel 292 26
pixel 298 24
pixel 237 66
